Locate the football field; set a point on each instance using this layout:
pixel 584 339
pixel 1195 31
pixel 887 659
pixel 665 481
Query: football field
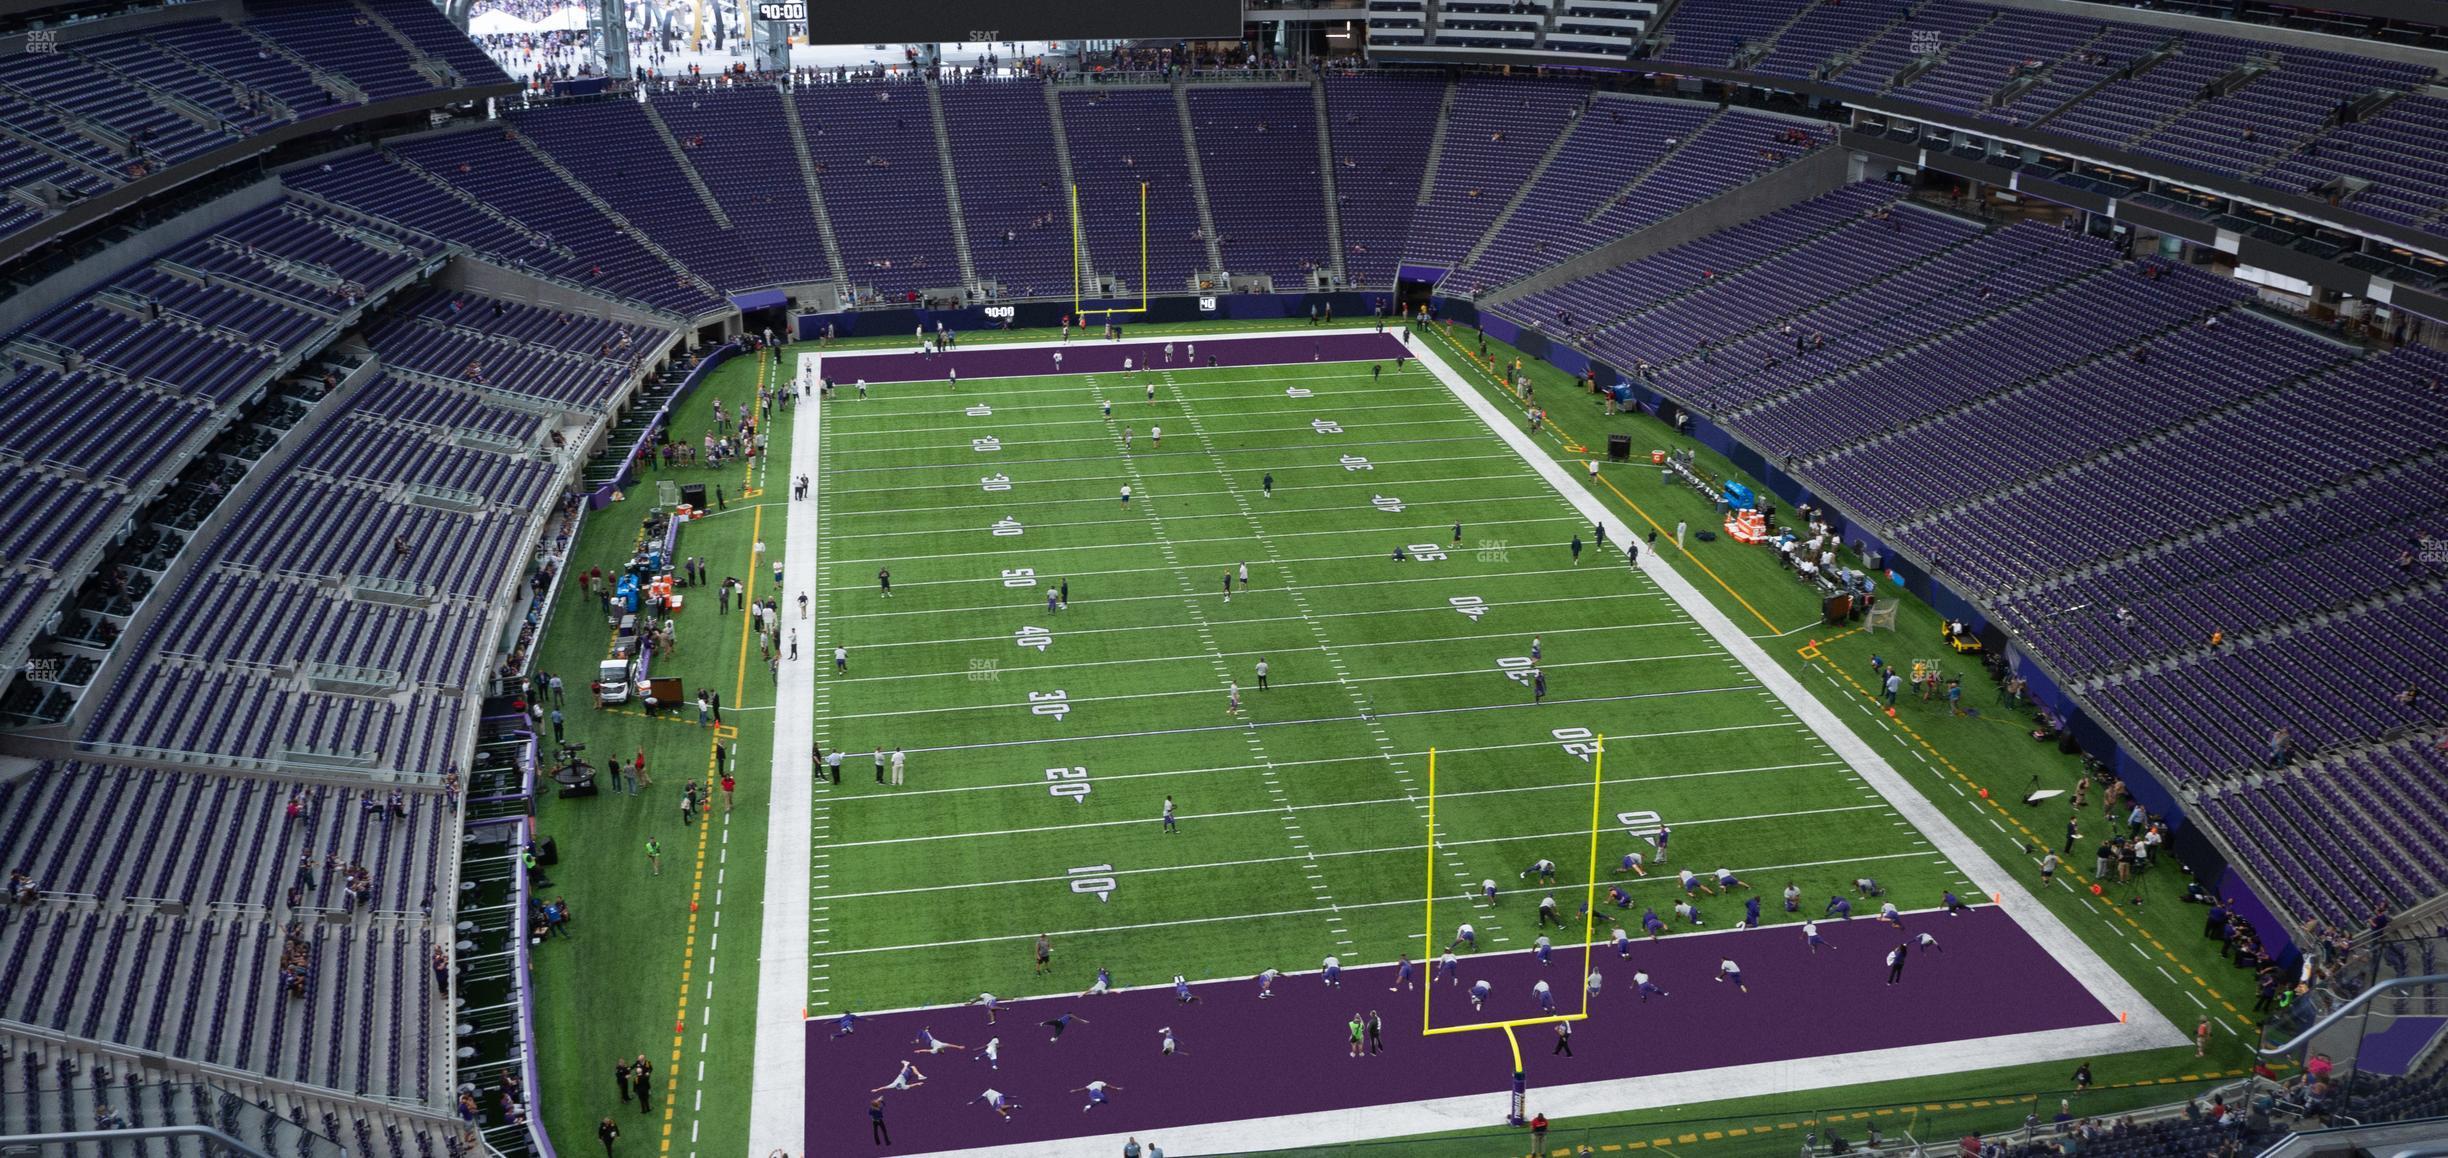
pixel 1089 571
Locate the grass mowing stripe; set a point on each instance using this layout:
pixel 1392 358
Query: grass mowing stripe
pixel 1315 856
pixel 1268 916
pixel 1136 729
pixel 1511 461
pixel 905 794
pixel 1296 619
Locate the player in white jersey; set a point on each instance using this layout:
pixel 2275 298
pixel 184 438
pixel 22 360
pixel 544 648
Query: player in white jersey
pixel 1096 1094
pixel 991 1053
pixel 928 1043
pixel 1266 981
pixel 996 1101
pixel 1727 970
pixel 908 1079
pixel 1479 993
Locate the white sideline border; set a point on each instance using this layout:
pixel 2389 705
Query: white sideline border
pixel 2151 1029
pixel 780 1089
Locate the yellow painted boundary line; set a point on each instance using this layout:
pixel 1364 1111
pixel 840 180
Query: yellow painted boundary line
pixel 688 949
pixel 1575 445
pixel 1812 651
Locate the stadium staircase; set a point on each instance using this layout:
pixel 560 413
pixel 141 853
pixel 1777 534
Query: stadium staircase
pixel 2375 483
pixel 35 144
pixel 2242 75
pixel 2140 65
pixel 269 102
pixel 1198 177
pixel 686 168
pixel 1436 140
pixel 618 221
pixel 1753 52
pixel 1530 181
pixel 1920 66
pixel 1835 66
pixel 951 184
pixel 1870 288
pixel 1617 198
pixel 606 467
pixel 58 1083
pixel 2060 291
pixel 2365 108
pixel 815 190
pixel 464 197
pixel 2347 612
pixel 1326 175
pixel 341 88
pixel 2141 443
pixel 432 68
pixel 1062 164
pixel 184 106
pixel 2043 378
pixel 2013 90
pixel 1729 274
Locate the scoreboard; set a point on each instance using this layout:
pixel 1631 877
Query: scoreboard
pixel 987 21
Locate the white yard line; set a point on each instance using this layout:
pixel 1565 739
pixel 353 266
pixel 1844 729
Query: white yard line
pixel 778 1089
pixel 955 461
pixel 1465 895
pixel 1362 715
pixel 1101 501
pixel 1173 659
pixel 1074 632
pixel 1333 471
pixel 1226 919
pixel 1102 440
pixel 1443 575
pixel 2148 1028
pixel 1371 758
pixel 1198 728
pixel 1379 532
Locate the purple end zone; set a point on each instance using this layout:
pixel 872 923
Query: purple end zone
pixel 1097 356
pixel 1241 1057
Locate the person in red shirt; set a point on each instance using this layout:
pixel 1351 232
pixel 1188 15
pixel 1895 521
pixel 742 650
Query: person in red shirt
pixel 1538 1133
pixel 727 785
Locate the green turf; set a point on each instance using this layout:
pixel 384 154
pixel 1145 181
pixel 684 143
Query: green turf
pixel 938 665
pixel 1301 815
pixel 613 988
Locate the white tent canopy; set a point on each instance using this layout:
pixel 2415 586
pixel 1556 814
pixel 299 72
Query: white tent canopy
pixel 497 23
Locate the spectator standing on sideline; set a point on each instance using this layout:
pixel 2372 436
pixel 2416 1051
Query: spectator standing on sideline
pixel 875 1122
